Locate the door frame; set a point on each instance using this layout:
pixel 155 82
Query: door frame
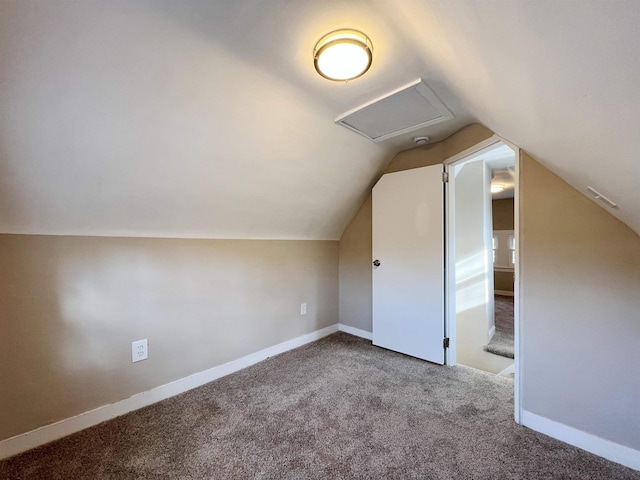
pixel 450 323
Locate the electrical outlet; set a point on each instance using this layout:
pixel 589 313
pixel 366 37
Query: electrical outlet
pixel 139 350
pixel 303 309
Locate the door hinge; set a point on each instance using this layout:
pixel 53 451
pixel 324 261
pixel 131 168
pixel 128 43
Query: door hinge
pixel 445 342
pixel 445 177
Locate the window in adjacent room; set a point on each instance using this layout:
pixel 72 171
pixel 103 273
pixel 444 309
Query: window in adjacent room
pixel 504 249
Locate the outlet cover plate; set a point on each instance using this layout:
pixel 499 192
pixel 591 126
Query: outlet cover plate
pixel 139 350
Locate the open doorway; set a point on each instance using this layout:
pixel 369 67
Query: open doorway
pixel 503 177
pixel 481 258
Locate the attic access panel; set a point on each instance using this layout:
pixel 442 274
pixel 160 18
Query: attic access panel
pixel 406 109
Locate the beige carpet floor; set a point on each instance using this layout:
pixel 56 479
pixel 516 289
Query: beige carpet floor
pixel 502 341
pixel 338 408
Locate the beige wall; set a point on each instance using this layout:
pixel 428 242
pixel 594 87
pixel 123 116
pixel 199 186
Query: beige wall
pixel 503 214
pixel 503 281
pixel 355 270
pixel 71 306
pixel 580 310
pixel 355 244
pixel 438 152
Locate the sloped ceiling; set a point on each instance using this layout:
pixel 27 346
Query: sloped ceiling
pixel 206 118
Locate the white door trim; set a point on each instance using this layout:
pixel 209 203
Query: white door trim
pixel 518 380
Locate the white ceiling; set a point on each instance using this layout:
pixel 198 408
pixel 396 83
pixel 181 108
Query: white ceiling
pixel 206 118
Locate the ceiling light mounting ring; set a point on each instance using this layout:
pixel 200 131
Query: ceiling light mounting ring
pixel 343 55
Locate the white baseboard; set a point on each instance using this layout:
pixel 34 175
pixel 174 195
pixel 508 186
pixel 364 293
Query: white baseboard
pixel 48 433
pixel 492 332
pixel 604 448
pixel 504 293
pixel 355 331
pixel 507 371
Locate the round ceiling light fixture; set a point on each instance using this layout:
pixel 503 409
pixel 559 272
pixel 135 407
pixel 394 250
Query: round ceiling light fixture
pixel 497 188
pixel 343 55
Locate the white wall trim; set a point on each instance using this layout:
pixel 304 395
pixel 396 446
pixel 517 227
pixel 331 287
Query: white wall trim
pixel 507 371
pixel 48 433
pixel 492 332
pixel 504 293
pixel 604 448
pixel 518 384
pixel 355 331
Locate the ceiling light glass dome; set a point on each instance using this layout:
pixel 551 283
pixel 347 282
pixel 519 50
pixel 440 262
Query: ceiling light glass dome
pixel 343 55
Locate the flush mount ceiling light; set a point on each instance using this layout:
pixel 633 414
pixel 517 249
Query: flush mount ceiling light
pixel 497 188
pixel 343 55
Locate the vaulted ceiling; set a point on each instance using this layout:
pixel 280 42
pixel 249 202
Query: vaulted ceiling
pixel 206 118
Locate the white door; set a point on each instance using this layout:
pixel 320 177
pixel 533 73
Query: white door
pixel 408 244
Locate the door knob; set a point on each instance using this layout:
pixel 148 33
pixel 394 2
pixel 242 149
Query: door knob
pixel 376 263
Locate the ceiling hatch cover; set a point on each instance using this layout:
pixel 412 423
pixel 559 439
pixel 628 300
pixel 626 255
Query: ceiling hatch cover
pixel 406 109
